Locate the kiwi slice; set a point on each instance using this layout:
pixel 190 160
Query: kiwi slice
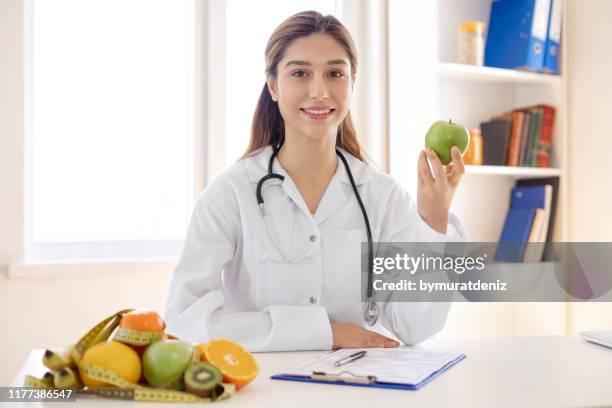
pixel 202 378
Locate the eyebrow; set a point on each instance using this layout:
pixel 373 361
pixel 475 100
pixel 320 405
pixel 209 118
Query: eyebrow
pixel 330 62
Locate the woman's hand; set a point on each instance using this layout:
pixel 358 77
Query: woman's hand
pixel 351 335
pixel 435 192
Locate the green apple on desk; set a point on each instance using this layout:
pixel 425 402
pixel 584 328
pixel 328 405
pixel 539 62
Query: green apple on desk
pixel 165 361
pixel 442 136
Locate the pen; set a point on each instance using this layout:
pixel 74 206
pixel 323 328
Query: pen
pixel 350 358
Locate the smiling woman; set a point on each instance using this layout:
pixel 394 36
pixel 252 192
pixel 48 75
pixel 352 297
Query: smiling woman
pixel 287 275
pixel 239 64
pixel 329 76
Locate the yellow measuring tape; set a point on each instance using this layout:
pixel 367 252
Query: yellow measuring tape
pixel 124 389
pixel 99 333
pixel 137 338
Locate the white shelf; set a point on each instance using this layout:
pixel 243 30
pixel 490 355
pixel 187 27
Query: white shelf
pixel 450 70
pixel 513 171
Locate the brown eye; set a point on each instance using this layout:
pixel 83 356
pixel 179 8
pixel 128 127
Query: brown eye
pixel 299 74
pixel 336 74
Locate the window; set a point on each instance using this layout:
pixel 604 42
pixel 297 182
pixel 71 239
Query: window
pixel 249 24
pixel 109 122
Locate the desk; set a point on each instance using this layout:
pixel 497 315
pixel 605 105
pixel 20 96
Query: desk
pixel 560 371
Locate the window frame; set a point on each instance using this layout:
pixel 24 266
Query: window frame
pixel 36 252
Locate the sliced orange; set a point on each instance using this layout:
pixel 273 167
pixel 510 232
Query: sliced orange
pixel 237 365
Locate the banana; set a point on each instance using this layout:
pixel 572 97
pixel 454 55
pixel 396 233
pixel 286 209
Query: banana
pixel 35 382
pixel 99 333
pixel 48 379
pixel 67 378
pixel 56 359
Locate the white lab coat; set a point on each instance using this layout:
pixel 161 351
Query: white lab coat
pixel 230 281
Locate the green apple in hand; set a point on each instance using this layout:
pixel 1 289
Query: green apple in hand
pixel 442 136
pixel 165 361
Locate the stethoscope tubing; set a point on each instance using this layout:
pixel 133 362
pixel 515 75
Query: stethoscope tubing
pixel 371 308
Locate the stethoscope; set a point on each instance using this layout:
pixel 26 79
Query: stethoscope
pixel 370 308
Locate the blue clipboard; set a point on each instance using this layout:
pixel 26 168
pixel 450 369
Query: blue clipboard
pixel 361 381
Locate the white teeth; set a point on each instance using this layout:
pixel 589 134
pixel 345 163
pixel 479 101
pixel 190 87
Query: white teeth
pixel 317 112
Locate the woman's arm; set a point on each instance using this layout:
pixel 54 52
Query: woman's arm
pixel 435 191
pixel 414 322
pixel 195 306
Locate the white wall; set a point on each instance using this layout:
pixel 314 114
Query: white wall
pixel 53 309
pixel 590 139
pixel 11 131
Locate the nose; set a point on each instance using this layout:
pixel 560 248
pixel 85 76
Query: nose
pixel 318 88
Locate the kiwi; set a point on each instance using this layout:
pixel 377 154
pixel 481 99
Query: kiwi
pixel 202 378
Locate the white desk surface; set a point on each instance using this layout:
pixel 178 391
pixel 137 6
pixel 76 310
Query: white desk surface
pixel 547 371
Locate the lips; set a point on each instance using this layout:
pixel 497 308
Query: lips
pixel 318 112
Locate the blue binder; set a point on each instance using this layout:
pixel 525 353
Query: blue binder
pixel 528 197
pixel 553 40
pixel 516 37
pixel 360 381
pixel 515 235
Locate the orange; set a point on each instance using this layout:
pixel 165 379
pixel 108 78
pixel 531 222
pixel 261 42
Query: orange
pixel 200 349
pixel 237 365
pixel 145 320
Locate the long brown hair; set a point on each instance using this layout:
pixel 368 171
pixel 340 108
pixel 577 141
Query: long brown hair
pixel 268 127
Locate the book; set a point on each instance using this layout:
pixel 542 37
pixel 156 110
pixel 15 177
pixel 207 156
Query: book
pixel 515 138
pixel 515 234
pixel 529 137
pixel 534 137
pixel 538 197
pixel 553 39
pixel 546 135
pixel 535 242
pixel 495 137
pixel 517 34
pixel 554 183
pixel 524 133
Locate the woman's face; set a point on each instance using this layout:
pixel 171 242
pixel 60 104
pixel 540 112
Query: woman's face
pixel 313 86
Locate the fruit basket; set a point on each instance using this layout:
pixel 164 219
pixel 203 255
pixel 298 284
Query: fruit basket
pixel 130 356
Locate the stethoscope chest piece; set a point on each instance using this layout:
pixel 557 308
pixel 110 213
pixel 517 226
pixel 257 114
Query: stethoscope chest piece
pixel 370 312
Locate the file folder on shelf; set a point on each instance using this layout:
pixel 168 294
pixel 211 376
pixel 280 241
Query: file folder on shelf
pixel 553 40
pixel 411 368
pixel 517 34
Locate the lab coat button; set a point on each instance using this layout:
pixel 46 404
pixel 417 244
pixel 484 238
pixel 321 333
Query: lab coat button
pixel 313 238
pixel 313 300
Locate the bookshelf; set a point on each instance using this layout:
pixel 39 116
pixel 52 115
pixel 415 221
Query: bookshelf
pixel 427 84
pixel 513 171
pixel 451 70
pixel 470 95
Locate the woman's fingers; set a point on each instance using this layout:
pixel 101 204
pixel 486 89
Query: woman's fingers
pixel 350 335
pixel 436 165
pixel 383 341
pixel 458 167
pixel 424 172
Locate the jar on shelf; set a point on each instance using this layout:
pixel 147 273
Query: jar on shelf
pixel 471 42
pixel 473 155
